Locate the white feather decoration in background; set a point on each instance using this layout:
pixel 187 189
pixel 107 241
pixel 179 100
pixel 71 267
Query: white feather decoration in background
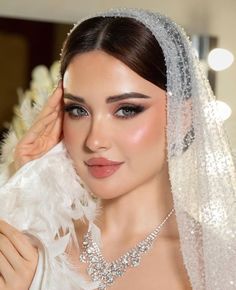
pixel 30 103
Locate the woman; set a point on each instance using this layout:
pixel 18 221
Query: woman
pixel 132 93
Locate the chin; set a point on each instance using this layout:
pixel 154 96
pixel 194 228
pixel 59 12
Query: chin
pixel 107 193
pixel 105 196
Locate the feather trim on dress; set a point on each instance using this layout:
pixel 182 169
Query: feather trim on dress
pixel 42 199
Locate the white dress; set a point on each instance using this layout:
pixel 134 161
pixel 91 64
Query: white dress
pixel 38 200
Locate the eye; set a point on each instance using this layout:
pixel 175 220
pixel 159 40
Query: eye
pixel 127 111
pixel 75 110
pixel 130 111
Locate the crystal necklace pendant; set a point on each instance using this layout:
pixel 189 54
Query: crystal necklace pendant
pixel 107 272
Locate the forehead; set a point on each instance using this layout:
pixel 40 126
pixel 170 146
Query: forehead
pixel 99 73
pixel 99 65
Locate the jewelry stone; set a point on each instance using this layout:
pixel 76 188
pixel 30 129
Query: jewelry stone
pixel 107 272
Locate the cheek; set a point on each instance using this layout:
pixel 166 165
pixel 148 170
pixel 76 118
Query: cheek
pixel 148 134
pixel 70 133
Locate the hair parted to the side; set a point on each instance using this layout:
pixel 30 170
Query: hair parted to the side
pixel 125 38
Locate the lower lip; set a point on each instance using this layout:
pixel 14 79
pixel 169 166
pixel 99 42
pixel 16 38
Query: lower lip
pixel 103 171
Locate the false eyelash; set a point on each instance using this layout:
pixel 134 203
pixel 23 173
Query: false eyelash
pixel 135 108
pixel 68 108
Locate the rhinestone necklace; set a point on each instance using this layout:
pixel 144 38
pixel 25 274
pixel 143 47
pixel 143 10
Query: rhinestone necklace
pixel 106 272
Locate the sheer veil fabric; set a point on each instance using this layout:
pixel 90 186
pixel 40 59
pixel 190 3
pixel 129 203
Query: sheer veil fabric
pixel 46 194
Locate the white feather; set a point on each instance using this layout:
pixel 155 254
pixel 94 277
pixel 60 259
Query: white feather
pixel 41 199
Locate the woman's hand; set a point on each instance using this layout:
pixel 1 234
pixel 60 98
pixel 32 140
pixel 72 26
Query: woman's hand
pixel 18 259
pixel 44 134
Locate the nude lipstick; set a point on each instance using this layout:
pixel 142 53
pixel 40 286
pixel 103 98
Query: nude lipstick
pixel 102 167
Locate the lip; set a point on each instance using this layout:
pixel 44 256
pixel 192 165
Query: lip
pixel 102 167
pixel 103 171
pixel 101 161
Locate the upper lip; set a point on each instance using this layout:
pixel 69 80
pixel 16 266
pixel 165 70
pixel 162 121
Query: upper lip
pixel 101 161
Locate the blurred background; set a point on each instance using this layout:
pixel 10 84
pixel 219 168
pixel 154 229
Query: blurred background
pixel 32 34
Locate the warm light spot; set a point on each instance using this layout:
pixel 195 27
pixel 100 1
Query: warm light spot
pixel 220 59
pixel 224 110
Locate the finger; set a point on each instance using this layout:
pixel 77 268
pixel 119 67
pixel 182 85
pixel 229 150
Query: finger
pixel 2 282
pixel 6 269
pixel 51 104
pixel 56 96
pixel 53 130
pixel 10 253
pixel 37 129
pixel 19 240
pixel 29 157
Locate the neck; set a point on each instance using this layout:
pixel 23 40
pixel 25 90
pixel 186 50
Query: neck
pixel 139 212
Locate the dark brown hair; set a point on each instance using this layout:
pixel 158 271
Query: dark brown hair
pixel 122 37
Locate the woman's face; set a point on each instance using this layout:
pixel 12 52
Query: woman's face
pixel 121 117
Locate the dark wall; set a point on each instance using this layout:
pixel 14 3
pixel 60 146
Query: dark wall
pixel 24 44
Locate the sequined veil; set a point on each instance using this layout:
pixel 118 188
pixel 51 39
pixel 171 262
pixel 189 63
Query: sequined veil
pixel 201 170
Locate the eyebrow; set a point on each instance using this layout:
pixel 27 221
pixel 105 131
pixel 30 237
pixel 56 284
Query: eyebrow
pixel 110 99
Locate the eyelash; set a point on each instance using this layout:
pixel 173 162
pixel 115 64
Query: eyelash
pixel 134 108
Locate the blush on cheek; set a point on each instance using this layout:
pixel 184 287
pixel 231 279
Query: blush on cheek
pixel 137 136
pixel 148 132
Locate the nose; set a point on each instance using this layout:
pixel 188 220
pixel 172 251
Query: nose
pixel 98 138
